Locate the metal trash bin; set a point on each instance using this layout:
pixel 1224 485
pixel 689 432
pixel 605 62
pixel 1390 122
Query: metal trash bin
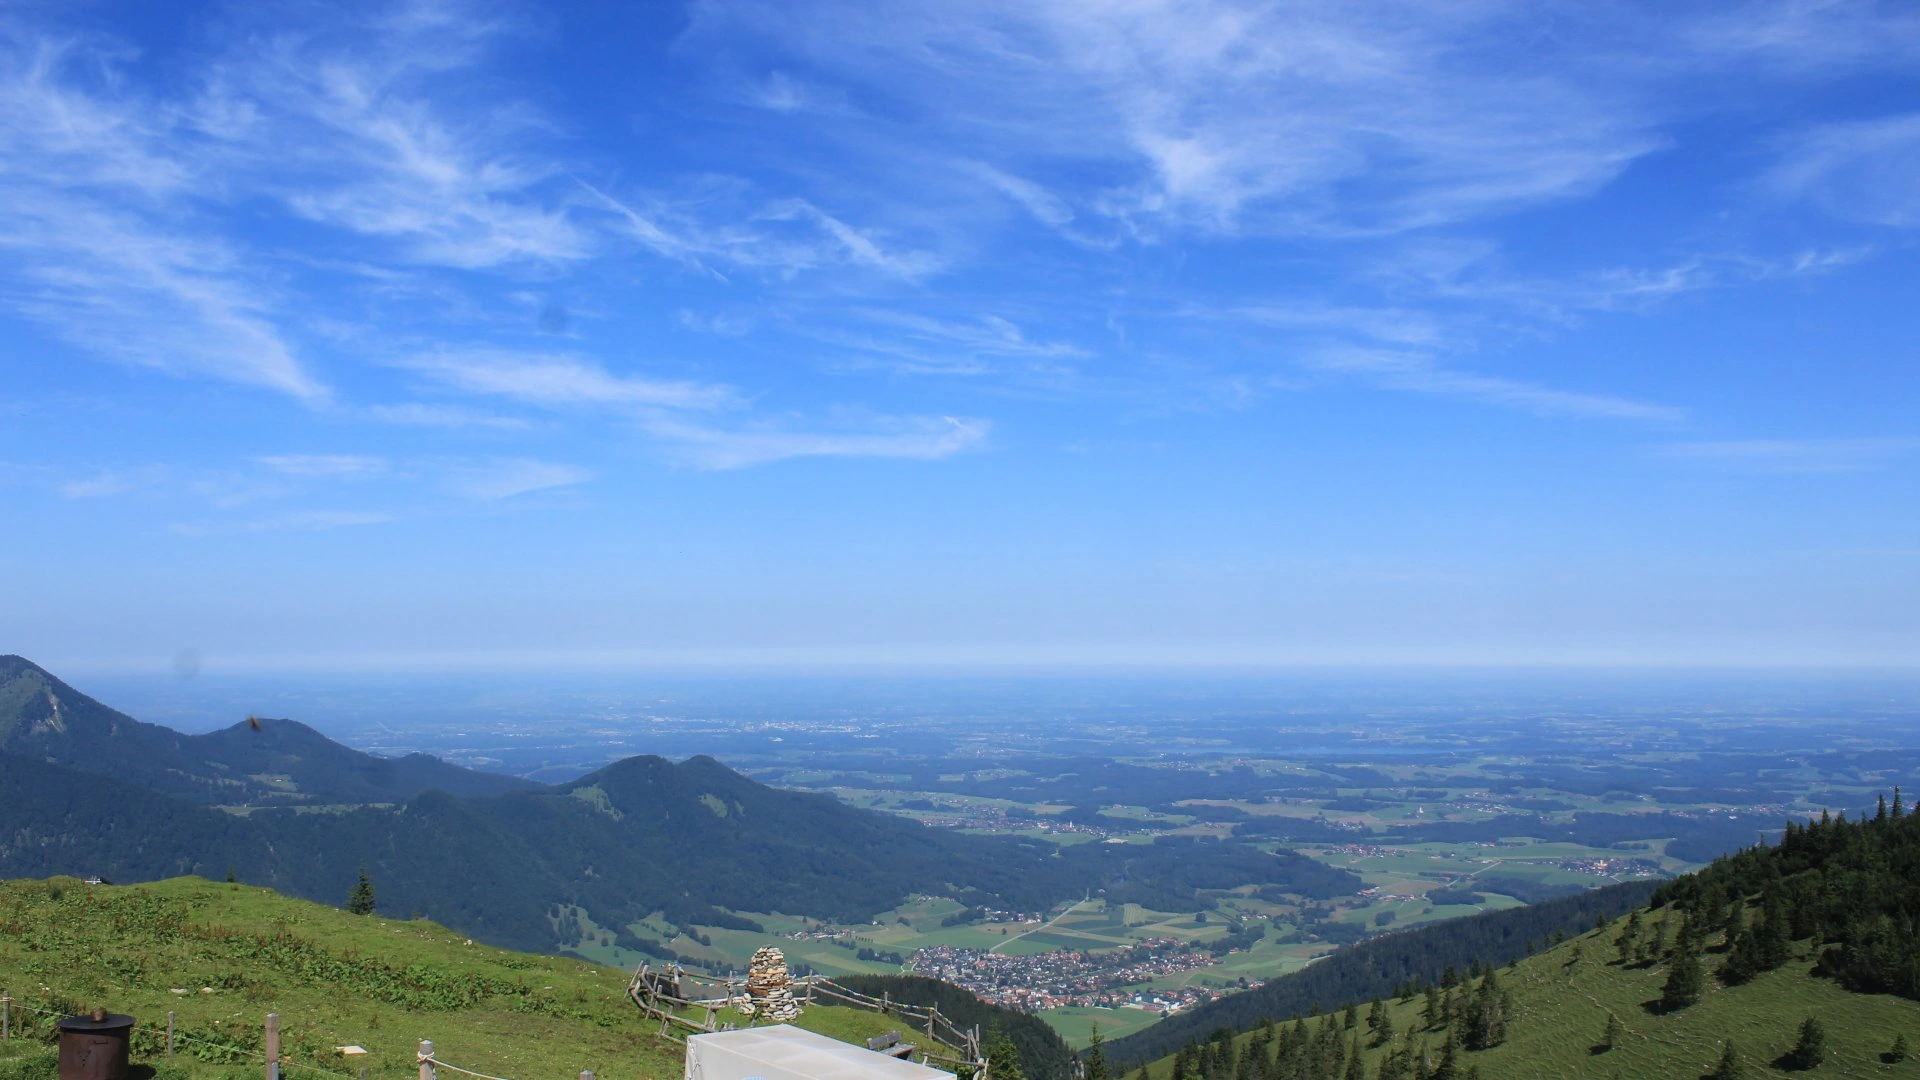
pixel 95 1047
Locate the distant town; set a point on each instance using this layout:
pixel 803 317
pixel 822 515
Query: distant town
pixel 1064 977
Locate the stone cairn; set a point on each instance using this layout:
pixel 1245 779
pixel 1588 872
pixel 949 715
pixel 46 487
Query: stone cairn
pixel 770 987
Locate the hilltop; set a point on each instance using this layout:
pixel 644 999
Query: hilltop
pixel 221 956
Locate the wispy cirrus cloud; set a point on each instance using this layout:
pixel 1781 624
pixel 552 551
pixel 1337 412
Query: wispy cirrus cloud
pixel 103 238
pixel 561 380
pixel 422 414
pixel 1415 373
pixel 1861 170
pixel 920 438
pixel 324 465
pixel 493 481
pixel 784 236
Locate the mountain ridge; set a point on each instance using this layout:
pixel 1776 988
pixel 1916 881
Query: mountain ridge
pixel 691 841
pixel 42 716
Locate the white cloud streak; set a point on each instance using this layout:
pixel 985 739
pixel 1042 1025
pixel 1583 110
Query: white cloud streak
pixel 558 380
pixel 909 438
pixel 1419 374
pixel 99 234
pixel 497 480
pixel 324 465
pixel 1866 170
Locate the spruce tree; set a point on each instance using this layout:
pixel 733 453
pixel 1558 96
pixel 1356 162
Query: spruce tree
pixel 360 901
pixel 1095 1067
pixel 1685 981
pixel 1379 1022
pixel 1728 1067
pixel 1898 1052
pixel 1774 936
pixel 1811 1050
pixel 1003 1059
pixel 1614 1032
pixel 1628 938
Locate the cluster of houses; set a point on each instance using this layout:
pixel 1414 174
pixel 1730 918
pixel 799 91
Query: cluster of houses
pixel 1062 977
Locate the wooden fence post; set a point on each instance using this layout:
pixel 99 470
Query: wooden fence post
pixel 426 1059
pixel 273 1046
pixel 6 1015
pixel 169 1034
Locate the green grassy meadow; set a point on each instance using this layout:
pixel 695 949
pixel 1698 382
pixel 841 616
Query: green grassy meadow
pixel 222 956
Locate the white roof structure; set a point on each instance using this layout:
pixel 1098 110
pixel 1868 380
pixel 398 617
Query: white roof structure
pixel 784 1052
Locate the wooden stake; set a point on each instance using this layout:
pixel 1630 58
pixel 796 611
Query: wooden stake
pixel 6 1015
pixel 273 1046
pixel 169 1034
pixel 426 1059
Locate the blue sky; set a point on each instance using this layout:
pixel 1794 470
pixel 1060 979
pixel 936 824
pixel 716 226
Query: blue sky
pixel 1135 334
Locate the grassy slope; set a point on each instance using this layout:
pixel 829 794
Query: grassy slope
pixel 1562 1008
pixel 332 977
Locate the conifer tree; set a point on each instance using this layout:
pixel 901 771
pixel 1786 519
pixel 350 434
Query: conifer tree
pixel 360 900
pixel 1449 1067
pixel 1774 937
pixel 1095 1066
pixel 1898 1052
pixel 1628 938
pixel 1484 1023
pixel 1811 1049
pixel 1379 1022
pixel 1003 1059
pixel 1614 1032
pixel 1728 1067
pixel 1685 981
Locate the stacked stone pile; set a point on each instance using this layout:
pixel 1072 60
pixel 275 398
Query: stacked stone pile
pixel 770 987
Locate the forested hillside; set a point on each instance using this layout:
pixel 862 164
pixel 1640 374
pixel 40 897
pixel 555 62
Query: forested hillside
pixel 90 791
pixel 1796 956
pixel 1387 964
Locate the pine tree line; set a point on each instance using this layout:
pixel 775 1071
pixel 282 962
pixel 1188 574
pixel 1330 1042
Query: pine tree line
pixel 1850 887
pixel 1458 1017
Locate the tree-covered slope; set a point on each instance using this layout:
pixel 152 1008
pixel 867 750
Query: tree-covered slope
pixel 640 836
pixel 1379 966
pixel 254 761
pixel 1797 957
